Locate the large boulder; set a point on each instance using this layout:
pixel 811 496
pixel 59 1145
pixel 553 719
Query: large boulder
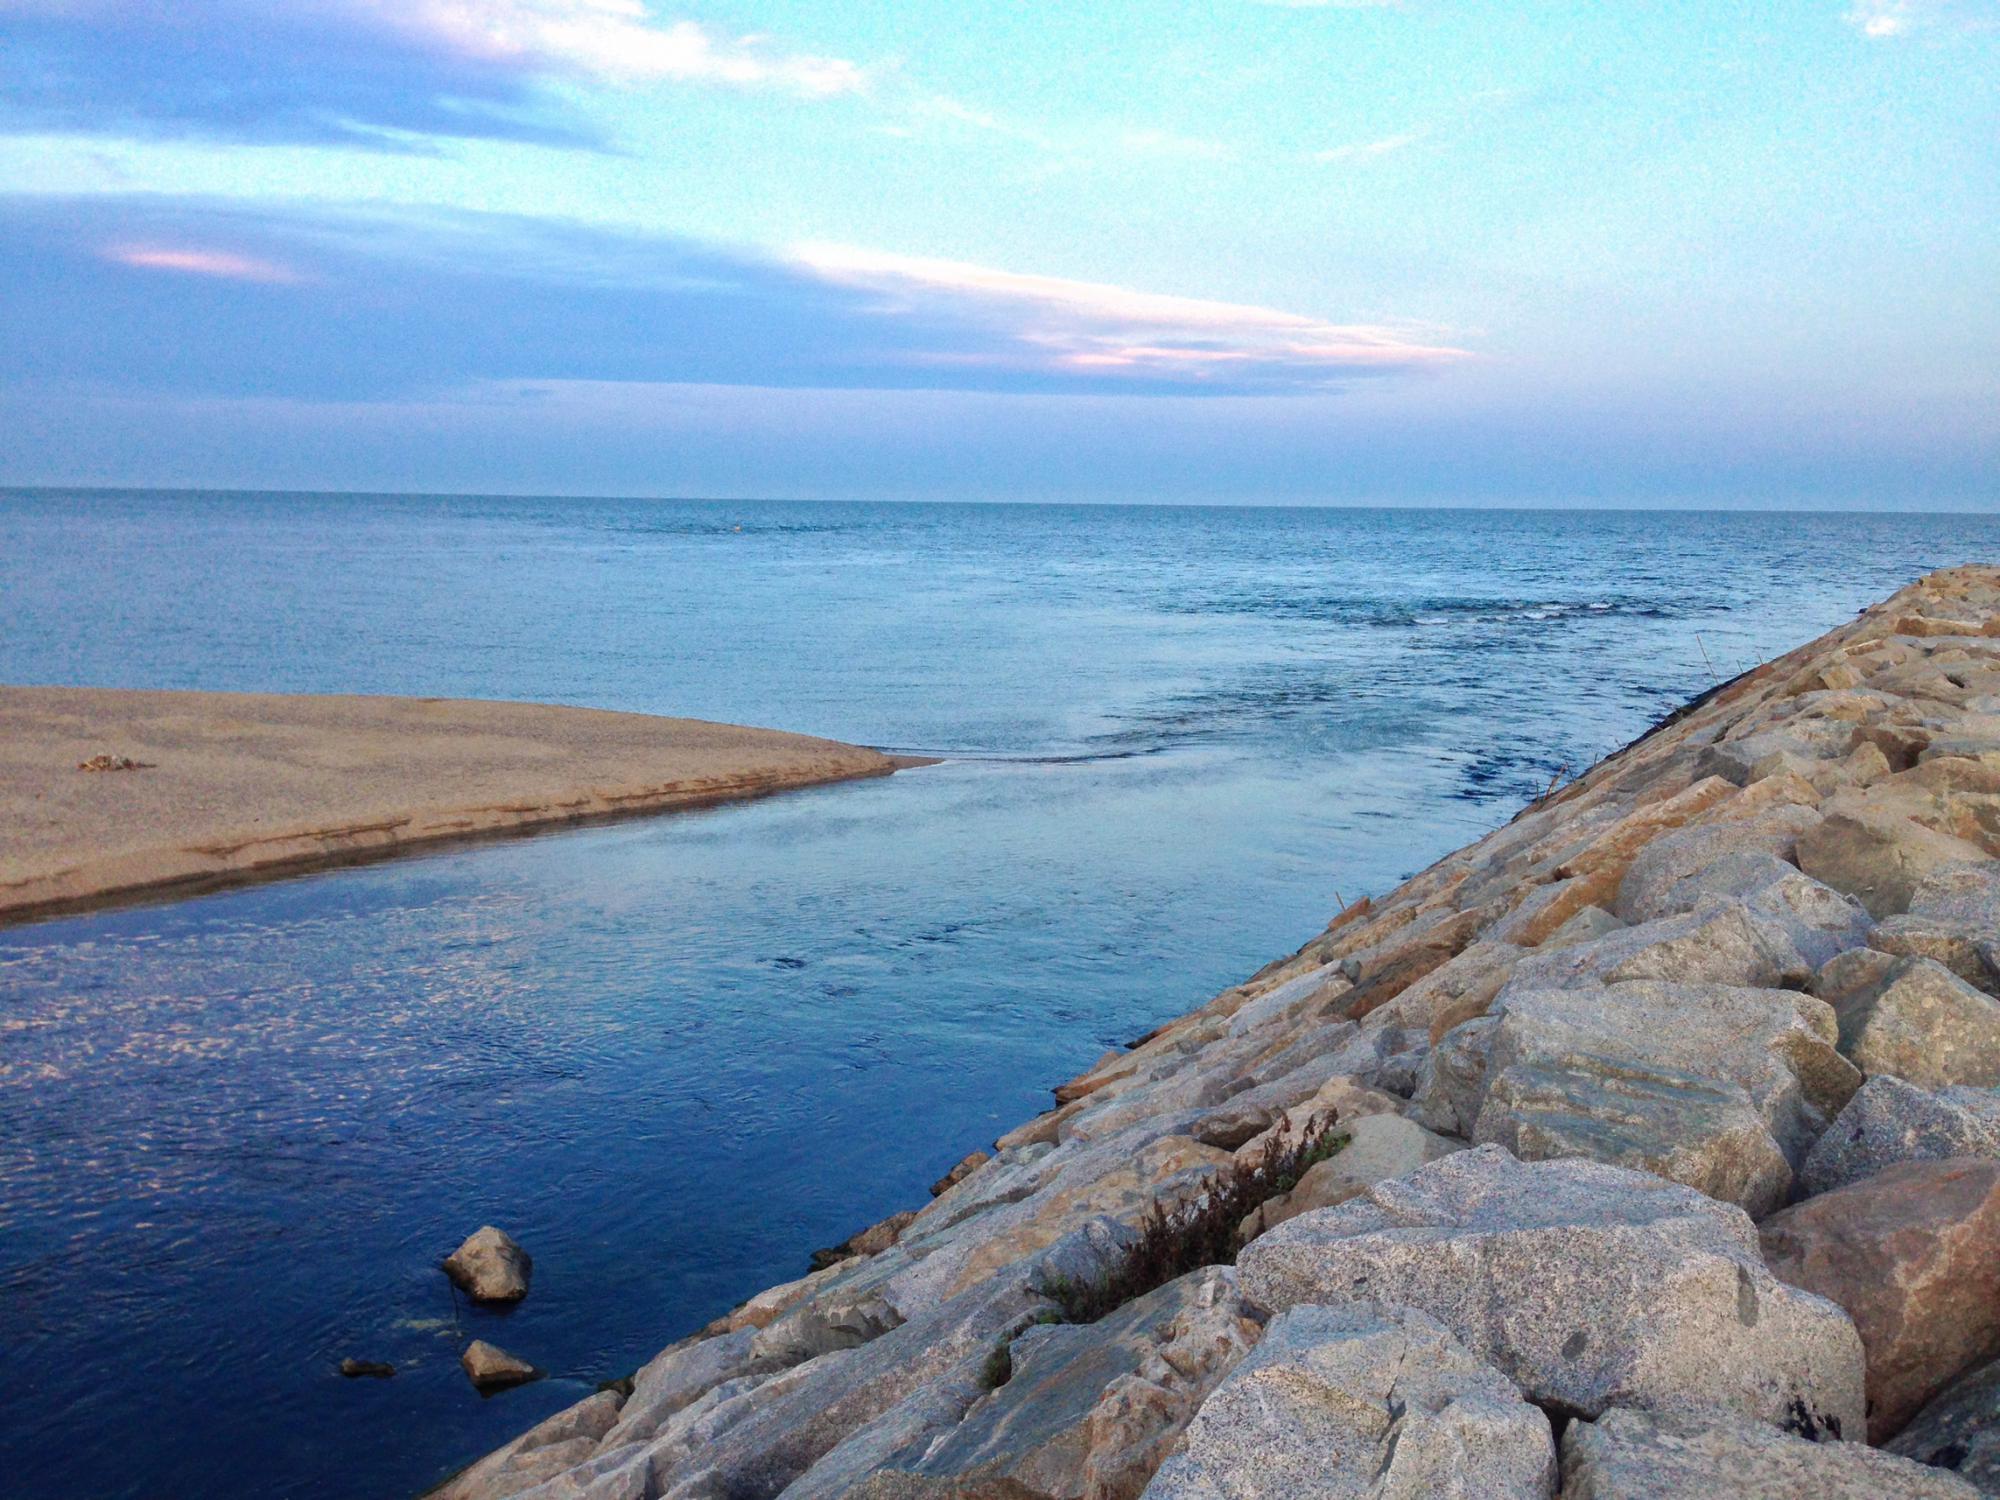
pixel 1361 1401
pixel 1644 1455
pixel 1719 1087
pixel 1673 873
pixel 1587 1285
pixel 490 1266
pixel 1889 1122
pixel 1913 1255
pixel 1954 917
pixel 1721 941
pixel 1878 856
pixel 1914 1018
pixel 1084 1409
pixel 1959 1429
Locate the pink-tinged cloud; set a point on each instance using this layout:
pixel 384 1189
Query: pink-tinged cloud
pixel 225 264
pixel 1058 325
pixel 619 41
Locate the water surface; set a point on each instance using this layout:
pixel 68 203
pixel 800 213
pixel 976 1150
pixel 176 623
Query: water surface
pixel 673 1056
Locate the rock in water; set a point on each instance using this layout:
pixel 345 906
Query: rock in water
pixel 1361 1401
pixel 490 1266
pixel 1638 1455
pixel 1587 1285
pixel 1960 1429
pixel 1913 1254
pixel 356 1369
pixel 493 1369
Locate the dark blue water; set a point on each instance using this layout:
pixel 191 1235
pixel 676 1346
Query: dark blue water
pixel 673 1056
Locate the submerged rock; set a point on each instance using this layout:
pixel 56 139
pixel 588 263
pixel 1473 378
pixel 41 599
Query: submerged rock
pixel 372 1369
pixel 490 1266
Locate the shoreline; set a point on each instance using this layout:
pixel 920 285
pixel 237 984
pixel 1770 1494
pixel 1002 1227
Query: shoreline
pixel 1642 1058
pixel 237 788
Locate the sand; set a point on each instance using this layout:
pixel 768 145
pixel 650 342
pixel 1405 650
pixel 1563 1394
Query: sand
pixel 239 786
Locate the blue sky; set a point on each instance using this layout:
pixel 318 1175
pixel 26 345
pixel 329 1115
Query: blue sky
pixel 1412 252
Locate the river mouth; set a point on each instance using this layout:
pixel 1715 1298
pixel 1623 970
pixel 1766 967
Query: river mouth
pixel 673 1056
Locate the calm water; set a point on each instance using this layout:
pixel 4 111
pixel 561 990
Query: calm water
pixel 237 1133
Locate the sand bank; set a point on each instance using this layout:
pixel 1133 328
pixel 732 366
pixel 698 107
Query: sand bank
pixel 234 786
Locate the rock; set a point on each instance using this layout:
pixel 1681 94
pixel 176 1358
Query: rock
pixel 1086 1409
pixel 1688 1129
pixel 1718 1087
pixel 355 1369
pixel 1913 1018
pixel 1586 926
pixel 1584 1284
pixel 1878 856
pixel 490 1267
pixel 966 1167
pixel 491 1369
pixel 1642 1455
pixel 1954 917
pixel 1959 1430
pixel 545 1450
pixel 1361 1401
pixel 1452 1081
pixel 1889 1122
pixel 1379 1147
pixel 1722 941
pixel 1913 1255
pixel 1672 874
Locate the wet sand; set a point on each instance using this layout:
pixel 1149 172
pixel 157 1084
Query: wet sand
pixel 232 787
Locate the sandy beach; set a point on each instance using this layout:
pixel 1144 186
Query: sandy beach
pixel 234 786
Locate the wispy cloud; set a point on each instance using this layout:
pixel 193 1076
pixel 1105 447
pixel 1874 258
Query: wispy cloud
pixel 1367 150
pixel 618 40
pixel 377 73
pixel 1059 325
pixel 228 265
pixel 390 304
pixel 1882 18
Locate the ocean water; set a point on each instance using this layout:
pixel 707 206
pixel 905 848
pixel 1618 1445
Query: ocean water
pixel 675 1055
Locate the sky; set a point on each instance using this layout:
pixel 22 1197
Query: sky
pixel 1250 251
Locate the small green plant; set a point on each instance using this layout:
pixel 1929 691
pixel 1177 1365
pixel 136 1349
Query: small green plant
pixel 999 1366
pixel 1202 1230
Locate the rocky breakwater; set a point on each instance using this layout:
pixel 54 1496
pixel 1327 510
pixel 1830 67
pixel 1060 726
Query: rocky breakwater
pixel 1648 1146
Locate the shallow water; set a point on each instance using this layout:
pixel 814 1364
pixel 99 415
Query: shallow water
pixel 673 1056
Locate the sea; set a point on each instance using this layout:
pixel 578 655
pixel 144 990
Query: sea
pixel 673 1056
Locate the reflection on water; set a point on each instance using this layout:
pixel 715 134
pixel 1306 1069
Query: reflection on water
pixel 673 1056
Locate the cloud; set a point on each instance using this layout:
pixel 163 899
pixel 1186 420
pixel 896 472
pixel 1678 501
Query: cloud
pixel 1155 142
pixel 1882 18
pixel 1092 328
pixel 1367 150
pixel 385 74
pixel 187 260
pixel 614 40
pixel 139 294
